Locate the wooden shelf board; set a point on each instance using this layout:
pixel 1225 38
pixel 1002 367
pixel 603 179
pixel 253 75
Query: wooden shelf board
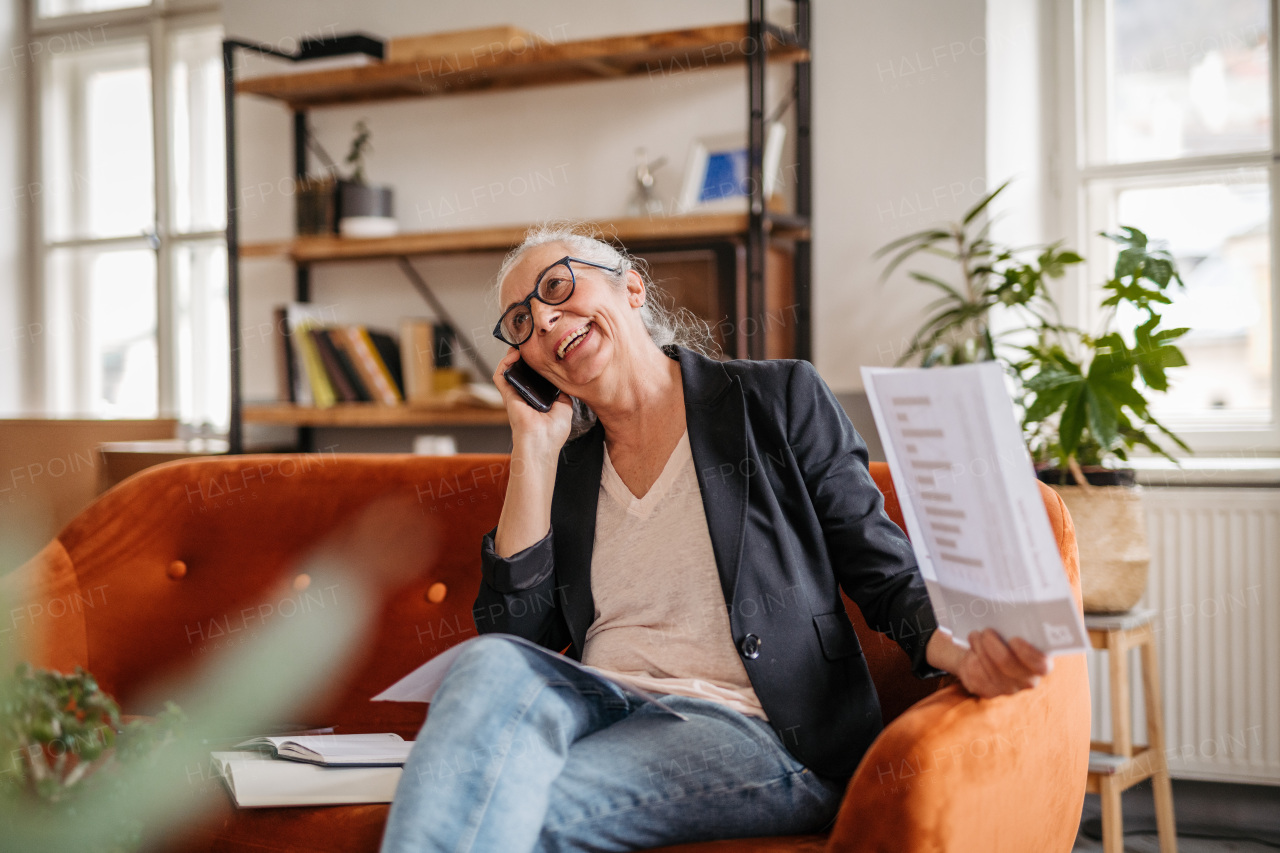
pixel 631 231
pixel 265 250
pixel 371 414
pixel 540 64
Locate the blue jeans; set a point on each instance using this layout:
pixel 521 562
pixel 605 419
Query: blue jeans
pixel 523 751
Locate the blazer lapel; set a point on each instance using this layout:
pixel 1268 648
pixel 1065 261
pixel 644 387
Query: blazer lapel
pixel 573 517
pixel 715 411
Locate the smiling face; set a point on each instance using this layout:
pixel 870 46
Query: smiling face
pixel 574 342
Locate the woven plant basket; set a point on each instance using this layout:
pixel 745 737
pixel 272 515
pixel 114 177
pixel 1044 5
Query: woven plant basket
pixel 1111 529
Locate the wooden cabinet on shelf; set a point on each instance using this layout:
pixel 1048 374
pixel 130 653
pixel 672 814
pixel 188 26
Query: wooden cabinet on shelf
pixel 747 274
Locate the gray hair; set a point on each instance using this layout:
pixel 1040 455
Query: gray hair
pixel 666 324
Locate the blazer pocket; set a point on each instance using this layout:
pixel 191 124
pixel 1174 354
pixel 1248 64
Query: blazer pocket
pixel 837 635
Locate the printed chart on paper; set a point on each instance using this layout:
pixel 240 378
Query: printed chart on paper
pixel 971 504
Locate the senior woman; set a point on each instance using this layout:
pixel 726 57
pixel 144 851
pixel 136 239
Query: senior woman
pixel 684 526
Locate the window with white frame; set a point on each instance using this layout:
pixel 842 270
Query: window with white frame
pixel 130 246
pixel 1172 107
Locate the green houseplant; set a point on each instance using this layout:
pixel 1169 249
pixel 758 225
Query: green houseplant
pixel 1087 395
pixel 1083 398
pixel 959 328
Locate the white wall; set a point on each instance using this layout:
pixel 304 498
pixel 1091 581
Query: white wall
pixel 15 338
pixel 1019 74
pixel 899 124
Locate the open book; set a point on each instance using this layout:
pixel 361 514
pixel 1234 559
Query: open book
pixel 256 779
pixel 335 750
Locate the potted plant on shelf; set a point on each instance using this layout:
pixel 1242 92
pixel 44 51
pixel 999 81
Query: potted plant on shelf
pixel 1083 397
pixel 363 210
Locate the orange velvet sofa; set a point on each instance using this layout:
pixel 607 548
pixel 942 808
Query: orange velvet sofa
pixel 185 543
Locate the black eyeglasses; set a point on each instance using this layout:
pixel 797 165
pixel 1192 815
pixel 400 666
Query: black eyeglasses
pixel 553 287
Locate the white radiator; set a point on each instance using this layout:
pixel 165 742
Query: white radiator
pixel 1215 584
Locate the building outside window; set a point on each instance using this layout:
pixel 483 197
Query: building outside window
pixel 130 245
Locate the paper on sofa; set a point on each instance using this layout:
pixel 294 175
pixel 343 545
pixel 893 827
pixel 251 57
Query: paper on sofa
pixel 421 684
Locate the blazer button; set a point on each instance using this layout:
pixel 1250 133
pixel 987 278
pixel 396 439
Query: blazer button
pixel 750 646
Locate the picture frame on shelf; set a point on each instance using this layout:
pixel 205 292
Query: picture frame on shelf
pixel 715 177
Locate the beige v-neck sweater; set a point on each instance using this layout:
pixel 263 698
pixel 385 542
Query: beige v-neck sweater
pixel 661 623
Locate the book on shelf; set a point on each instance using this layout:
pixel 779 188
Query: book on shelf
pixel 320 363
pixel 286 367
pixel 363 362
pixel 289 358
pixel 373 363
pixel 342 387
pixel 417 360
pixel 347 366
pixel 334 750
pixel 322 393
pixel 388 349
pixel 372 367
pixel 255 780
pixel 293 357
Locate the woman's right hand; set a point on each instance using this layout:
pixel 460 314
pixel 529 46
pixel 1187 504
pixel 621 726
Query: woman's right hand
pixel 536 439
pixel 543 433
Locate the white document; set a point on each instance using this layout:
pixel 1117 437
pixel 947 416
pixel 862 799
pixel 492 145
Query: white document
pixel 255 780
pixel 422 684
pixel 972 506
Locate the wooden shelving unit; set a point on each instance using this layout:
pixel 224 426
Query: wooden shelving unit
pixel 739 241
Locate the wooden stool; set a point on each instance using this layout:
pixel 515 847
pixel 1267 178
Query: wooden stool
pixel 1115 766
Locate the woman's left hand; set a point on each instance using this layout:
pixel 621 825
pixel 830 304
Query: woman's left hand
pixel 990 666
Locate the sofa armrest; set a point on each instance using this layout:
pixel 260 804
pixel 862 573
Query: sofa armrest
pixel 960 773
pixel 44 611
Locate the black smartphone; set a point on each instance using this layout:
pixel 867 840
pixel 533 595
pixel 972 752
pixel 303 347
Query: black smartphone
pixel 535 388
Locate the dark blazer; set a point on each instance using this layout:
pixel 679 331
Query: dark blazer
pixel 792 512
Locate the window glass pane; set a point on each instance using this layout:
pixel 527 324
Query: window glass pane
pixel 103 321
pixel 1188 77
pixel 57 8
pixel 203 356
pixel 99 167
pixel 1220 235
pixel 196 131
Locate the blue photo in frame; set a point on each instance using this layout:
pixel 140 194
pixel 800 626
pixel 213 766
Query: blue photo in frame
pixel 726 175
pixel 716 177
